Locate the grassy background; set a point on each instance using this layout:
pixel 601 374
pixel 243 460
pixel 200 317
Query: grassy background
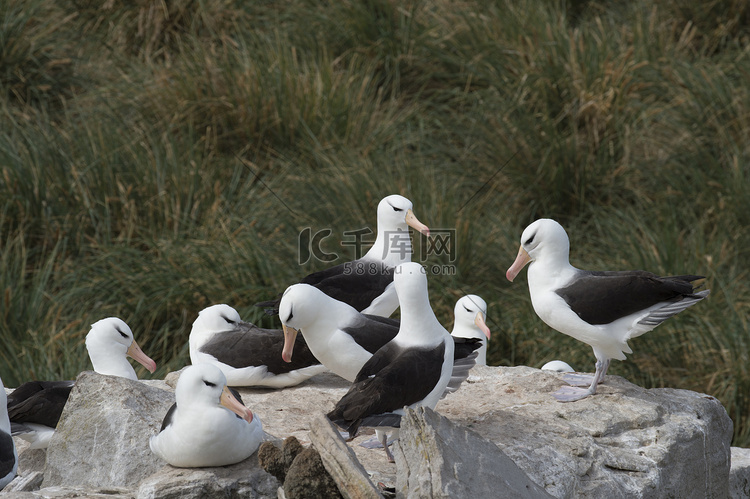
pixel 160 157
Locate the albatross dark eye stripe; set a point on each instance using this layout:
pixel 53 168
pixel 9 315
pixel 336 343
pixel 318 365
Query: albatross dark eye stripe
pixel 208 383
pixel 467 309
pixel 121 333
pixel 394 208
pixel 531 239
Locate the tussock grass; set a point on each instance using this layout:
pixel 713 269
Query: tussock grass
pixel 159 158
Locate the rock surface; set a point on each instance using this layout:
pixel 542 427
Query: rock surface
pixel 245 479
pixel 440 459
pixel 739 474
pixel 102 437
pixel 625 441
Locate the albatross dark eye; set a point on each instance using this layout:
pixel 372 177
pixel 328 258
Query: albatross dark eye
pixel 121 333
pixel 397 209
pixel 230 321
pixel 291 314
pixel 208 383
pixel 467 309
pixel 530 240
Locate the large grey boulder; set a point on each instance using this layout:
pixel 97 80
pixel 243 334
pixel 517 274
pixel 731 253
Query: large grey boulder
pixel 437 458
pixel 102 437
pixel 739 474
pixel 625 441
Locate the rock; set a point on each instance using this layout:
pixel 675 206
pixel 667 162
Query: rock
pixel 290 449
pixel 625 441
pixel 278 461
pixel 31 463
pixel 437 458
pixel 244 479
pixel 739 474
pixel 25 483
pixel 307 478
pixel 102 437
pixel 72 493
pixel 271 460
pixel 340 461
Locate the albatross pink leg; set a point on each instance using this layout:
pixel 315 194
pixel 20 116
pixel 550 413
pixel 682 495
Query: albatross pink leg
pixel 573 393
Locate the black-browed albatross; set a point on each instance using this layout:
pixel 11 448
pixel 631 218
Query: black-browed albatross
pixel 344 339
pixel 8 454
pixel 601 308
pixel 207 425
pixel 412 369
pixel 35 406
pixel 470 312
pixel 367 283
pixel 247 354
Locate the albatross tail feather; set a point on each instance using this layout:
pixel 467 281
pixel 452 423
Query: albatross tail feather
pixel 659 315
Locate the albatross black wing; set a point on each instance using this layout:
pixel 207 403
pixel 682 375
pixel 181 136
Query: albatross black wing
pixel 603 297
pixel 401 377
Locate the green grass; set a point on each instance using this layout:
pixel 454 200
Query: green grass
pixel 157 159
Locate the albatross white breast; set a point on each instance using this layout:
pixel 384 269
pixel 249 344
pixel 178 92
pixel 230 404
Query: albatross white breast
pixel 367 283
pixel 412 369
pixel 207 425
pixel 35 407
pixel 247 354
pixel 601 308
pixel 8 455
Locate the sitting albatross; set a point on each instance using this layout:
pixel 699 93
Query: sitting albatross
pixel 367 283
pixel 601 308
pixel 35 406
pixel 207 425
pixel 247 354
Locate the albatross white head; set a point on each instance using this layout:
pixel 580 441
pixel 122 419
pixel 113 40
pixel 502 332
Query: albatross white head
pixel 109 342
pixel 470 312
pixel 211 320
pixel 392 244
pixel 304 307
pixel 204 387
pixel 543 241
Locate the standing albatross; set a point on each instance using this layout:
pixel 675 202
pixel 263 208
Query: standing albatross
pixel 247 354
pixel 412 369
pixel 367 283
pixel 207 425
pixel 35 406
pixel 601 308
pixel 344 339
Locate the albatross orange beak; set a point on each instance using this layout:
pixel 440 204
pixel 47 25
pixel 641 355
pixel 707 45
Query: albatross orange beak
pixel 290 334
pixel 412 221
pixel 479 322
pixel 135 352
pixel 521 260
pixel 230 402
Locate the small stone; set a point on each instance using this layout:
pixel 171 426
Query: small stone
pixel 307 478
pixel 271 460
